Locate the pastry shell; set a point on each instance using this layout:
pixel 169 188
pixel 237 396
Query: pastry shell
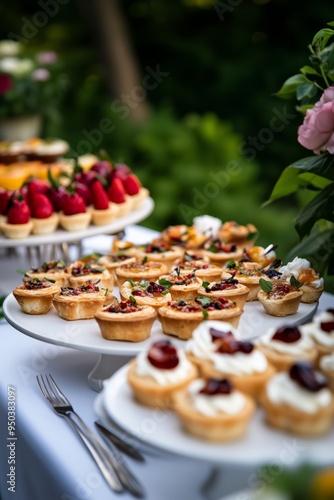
pixel 287 418
pixel 16 231
pixel 35 301
pixel 45 226
pixel 105 280
pixel 311 294
pixel 60 277
pixel 136 199
pixel 220 258
pixel 104 217
pixel 76 222
pixel 151 272
pixel 211 272
pixel 148 392
pixel 250 383
pixel 155 302
pixel 169 257
pixel 238 295
pixel 182 324
pixel 283 361
pixel 185 292
pixel 219 428
pixel 131 327
pixel 82 306
pixel 284 306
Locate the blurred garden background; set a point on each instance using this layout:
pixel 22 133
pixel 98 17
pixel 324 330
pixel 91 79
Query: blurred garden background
pixel 184 93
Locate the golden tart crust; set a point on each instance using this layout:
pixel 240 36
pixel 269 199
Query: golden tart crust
pixel 182 323
pixel 219 428
pixel 81 306
pixel 281 306
pixel 76 222
pixel 238 294
pixel 82 274
pixel 148 392
pixel 104 217
pixel 203 270
pixel 132 326
pixel 138 270
pixel 35 301
pixel 45 226
pixel 16 231
pixel 188 291
pixel 152 300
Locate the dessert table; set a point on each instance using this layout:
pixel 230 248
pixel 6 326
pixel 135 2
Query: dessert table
pixel 49 459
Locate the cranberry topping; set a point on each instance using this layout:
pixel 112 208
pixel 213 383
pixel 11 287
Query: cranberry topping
pixel 36 284
pixel 217 386
pixel 327 326
pixel 153 289
pixel 218 335
pixel 90 288
pixel 124 307
pixel 157 247
pixel 229 345
pixel 119 258
pixel 182 305
pixel 217 246
pixel 280 289
pixel 287 334
pixel 163 355
pixel 82 270
pixel 227 284
pixel 305 376
pixel 214 304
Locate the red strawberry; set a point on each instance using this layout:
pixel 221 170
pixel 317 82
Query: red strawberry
pixel 4 198
pixel 84 191
pixel 116 191
pixel 41 206
pixel 18 211
pixel 99 196
pixel 73 204
pixel 35 186
pixel 104 169
pixel 132 184
pixel 121 171
pixel 56 196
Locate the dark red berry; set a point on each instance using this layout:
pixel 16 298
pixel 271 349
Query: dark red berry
pixel 217 386
pixel 305 376
pixel 163 355
pixel 287 334
pixel 327 326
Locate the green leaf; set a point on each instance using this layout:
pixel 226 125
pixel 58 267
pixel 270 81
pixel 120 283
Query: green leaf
pixel 289 87
pixel 144 260
pixel 49 279
pixel 205 314
pixel 308 90
pixel 265 285
pixel 287 183
pixel 205 284
pixel 204 301
pixel 132 299
pixel 321 38
pixel 308 70
pixel 321 207
pixel 230 264
pixel 295 282
pixel 165 283
pixel 318 248
pixel 132 283
pixel 2 299
pixel 322 165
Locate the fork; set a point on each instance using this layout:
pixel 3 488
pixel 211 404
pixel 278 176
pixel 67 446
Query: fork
pixel 63 407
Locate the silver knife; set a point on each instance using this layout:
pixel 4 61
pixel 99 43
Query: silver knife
pixel 127 448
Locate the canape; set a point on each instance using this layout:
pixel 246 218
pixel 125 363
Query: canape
pixel 140 269
pixel 83 273
pixel 35 296
pixel 228 288
pixel 158 372
pixel 81 302
pixel 279 298
pixel 312 283
pixel 147 293
pixel 183 286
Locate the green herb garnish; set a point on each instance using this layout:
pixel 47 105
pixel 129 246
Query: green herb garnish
pixel 265 285
pixel 295 282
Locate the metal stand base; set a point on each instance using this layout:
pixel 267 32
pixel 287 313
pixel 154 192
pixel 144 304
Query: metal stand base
pixel 106 366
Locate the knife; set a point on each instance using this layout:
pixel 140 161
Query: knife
pixel 127 448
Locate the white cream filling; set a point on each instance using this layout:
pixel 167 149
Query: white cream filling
pixel 282 390
pixel 164 376
pixel 327 363
pixel 213 405
pixel 305 343
pixel 240 363
pixel 294 267
pixel 201 344
pixel 207 225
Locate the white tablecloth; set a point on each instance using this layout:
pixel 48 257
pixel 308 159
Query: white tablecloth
pixel 50 460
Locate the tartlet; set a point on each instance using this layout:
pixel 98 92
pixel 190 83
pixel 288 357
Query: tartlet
pixel 206 338
pixel 321 330
pixel 35 296
pixel 45 226
pixel 286 345
pixel 181 317
pixel 213 410
pixel 312 283
pixel 299 401
pixel 16 231
pixel 183 286
pixel 104 217
pixel 75 222
pixel 219 252
pixel 82 273
pixel 115 260
pixel 125 320
pixel 55 270
pixel 202 269
pixel 242 235
pixel 158 251
pixel 139 270
pixel 81 302
pixel 281 299
pixel 241 362
pixel 249 275
pixel 228 288
pixel 147 293
pixel 158 372
pixel 185 236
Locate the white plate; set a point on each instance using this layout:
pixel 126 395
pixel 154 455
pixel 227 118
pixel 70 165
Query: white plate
pixel 162 429
pixel 85 334
pixel 61 236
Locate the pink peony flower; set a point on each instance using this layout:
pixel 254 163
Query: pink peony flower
pixel 41 75
pixel 46 57
pixel 5 83
pixel 317 131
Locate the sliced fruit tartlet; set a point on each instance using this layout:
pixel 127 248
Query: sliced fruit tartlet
pixel 103 211
pixel 74 215
pixel 249 275
pixel 230 288
pixel 81 302
pixel 17 223
pixel 35 295
pixel 156 373
pixel 279 298
pixel 312 284
pixel 181 317
pixel 149 293
pixel 232 232
pixel 44 218
pixel 126 320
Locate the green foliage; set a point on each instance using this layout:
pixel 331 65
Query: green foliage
pixel 314 175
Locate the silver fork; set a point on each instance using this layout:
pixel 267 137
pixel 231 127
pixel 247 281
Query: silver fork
pixel 114 470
